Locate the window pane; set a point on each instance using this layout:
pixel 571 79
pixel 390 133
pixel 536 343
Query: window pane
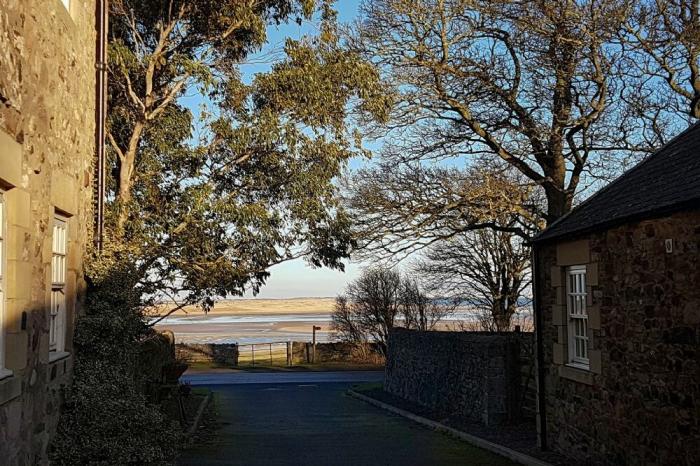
pixel 578 322
pixel 58 278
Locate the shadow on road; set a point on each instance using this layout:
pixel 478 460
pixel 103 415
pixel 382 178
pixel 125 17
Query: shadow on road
pixel 271 419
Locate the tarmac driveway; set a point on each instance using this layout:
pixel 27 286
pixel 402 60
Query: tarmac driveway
pixel 311 421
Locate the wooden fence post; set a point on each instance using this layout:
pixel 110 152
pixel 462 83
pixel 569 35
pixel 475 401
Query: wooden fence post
pixel 313 358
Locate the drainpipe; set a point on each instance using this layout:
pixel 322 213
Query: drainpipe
pixel 539 351
pixel 102 18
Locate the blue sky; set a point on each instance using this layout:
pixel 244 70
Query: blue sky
pixel 295 278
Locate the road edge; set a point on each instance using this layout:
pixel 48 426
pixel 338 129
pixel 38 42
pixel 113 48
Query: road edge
pixel 198 416
pixel 511 454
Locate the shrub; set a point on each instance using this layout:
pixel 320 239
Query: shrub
pixel 107 419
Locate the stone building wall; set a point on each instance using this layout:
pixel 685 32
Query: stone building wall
pixel 640 401
pixel 473 375
pixel 47 147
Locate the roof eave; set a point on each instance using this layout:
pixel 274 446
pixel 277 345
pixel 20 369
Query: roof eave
pixel 689 205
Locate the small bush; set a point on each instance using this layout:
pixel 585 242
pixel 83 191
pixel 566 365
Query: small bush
pixel 106 421
pixel 106 417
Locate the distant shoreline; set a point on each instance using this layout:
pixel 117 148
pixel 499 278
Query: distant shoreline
pixel 263 320
pixel 275 306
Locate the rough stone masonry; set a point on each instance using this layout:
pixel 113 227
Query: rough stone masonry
pixel 472 375
pixel 47 147
pixel 640 402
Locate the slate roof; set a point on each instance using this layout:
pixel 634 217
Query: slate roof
pixel 667 181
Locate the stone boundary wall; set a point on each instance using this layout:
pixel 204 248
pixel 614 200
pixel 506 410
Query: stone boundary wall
pixel 157 364
pixel 473 375
pixel 337 352
pixel 226 354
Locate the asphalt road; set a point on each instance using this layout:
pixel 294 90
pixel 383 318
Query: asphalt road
pixel 309 420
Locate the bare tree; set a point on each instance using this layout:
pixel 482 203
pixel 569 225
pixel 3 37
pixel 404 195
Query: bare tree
pixel 370 307
pixel 529 83
pixel 346 325
pixel 401 210
pixel 487 270
pixel 379 300
pixel 662 39
pixel 472 227
pixel 420 311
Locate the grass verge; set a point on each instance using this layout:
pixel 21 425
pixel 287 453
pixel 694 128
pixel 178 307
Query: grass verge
pixel 319 367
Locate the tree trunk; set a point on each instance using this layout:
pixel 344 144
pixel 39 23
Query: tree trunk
pixel 126 170
pixel 127 165
pixel 557 202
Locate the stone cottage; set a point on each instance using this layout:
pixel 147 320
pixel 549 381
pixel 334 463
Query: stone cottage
pixel 617 302
pixel 48 134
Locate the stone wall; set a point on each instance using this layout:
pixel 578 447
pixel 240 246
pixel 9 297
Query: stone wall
pixel 225 354
pixel 228 354
pixel 47 147
pixel 473 375
pixel 640 401
pixel 337 352
pixel 157 364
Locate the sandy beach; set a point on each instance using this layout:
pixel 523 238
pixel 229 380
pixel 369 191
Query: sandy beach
pixel 246 321
pixel 266 306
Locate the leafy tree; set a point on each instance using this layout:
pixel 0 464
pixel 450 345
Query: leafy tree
pixel 205 215
pixel 161 48
pixel 193 215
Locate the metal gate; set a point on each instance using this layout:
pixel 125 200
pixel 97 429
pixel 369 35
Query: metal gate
pixel 277 353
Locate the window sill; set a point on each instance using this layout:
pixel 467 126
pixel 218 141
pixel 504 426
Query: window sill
pixel 580 366
pixel 5 373
pixel 10 388
pixel 576 372
pixel 57 356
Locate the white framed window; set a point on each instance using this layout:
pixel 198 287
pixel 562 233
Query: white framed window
pixel 57 314
pixel 577 315
pixel 3 372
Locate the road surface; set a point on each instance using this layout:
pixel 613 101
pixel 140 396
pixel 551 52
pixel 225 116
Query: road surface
pixel 294 419
pixel 245 378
